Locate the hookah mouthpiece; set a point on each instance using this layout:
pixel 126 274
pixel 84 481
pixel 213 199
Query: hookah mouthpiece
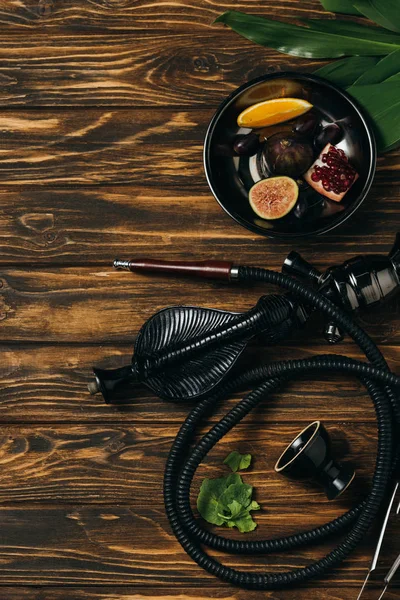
pixel 210 269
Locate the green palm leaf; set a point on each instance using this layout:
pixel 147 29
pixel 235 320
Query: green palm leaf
pixel 340 6
pixel 387 68
pixel 384 12
pixel 346 71
pixel 382 102
pixel 350 29
pixel 303 41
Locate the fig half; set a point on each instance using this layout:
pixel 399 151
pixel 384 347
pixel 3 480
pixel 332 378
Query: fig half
pixel 273 198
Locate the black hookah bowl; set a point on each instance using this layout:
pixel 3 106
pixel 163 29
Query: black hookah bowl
pixel 309 457
pixel 186 352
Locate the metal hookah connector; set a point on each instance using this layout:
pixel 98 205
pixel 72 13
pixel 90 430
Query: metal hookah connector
pixel 122 264
pixel 361 282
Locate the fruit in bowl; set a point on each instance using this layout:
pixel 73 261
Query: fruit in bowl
pixel 273 198
pixel 331 174
pixel 286 135
pixel 288 154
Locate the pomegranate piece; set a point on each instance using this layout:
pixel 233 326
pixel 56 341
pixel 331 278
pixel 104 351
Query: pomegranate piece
pixel 331 174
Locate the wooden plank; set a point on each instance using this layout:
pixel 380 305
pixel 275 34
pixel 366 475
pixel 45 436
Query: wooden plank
pixel 92 305
pixel 220 592
pixel 102 147
pixel 93 226
pixel 149 147
pixel 48 384
pixel 93 464
pixel 135 15
pixel 106 545
pixel 186 69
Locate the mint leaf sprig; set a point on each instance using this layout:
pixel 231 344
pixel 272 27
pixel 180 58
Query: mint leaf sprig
pixel 227 501
pixel 237 461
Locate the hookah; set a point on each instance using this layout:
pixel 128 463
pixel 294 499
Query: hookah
pixel 187 353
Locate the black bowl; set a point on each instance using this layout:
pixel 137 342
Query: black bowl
pixel 230 177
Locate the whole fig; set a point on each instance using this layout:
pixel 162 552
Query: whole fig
pixel 289 154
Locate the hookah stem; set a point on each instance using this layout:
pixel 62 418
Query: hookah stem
pixel 269 310
pixel 184 460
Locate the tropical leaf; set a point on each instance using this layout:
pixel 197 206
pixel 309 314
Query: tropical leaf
pixel 346 71
pixel 384 12
pixel 382 102
pixel 387 68
pixel 340 6
pixel 303 41
pixel 350 29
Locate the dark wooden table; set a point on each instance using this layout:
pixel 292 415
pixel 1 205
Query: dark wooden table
pixel 104 108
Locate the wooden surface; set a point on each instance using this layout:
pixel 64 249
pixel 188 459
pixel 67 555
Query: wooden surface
pixel 104 108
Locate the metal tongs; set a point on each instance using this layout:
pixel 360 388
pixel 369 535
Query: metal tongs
pixel 396 565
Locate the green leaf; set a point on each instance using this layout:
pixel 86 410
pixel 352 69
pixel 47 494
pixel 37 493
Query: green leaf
pixel 208 500
pixel 237 461
pixel 340 6
pixel 240 492
pixel 382 102
pixel 384 12
pixel 236 509
pixel 227 501
pixel 346 71
pixel 353 30
pixel 244 524
pixel 304 41
pixel 387 67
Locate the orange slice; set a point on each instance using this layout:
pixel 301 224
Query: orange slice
pixel 271 112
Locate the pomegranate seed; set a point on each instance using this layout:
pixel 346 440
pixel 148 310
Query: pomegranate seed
pixel 315 177
pixel 324 158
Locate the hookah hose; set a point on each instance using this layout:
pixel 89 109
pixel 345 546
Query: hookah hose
pixel 183 460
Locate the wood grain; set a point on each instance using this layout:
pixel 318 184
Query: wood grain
pixel 48 384
pixel 152 148
pixel 105 104
pixel 40 227
pixel 135 15
pixel 92 464
pixel 185 593
pixel 140 70
pixel 105 545
pixel 82 304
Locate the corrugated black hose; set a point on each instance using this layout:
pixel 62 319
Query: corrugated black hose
pixel 183 459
